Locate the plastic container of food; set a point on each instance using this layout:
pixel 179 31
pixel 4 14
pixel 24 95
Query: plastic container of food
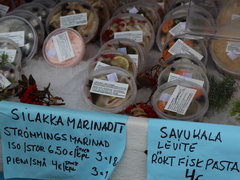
pixel 184 71
pixel 169 101
pixel 131 26
pixel 79 15
pixel 127 46
pixel 114 58
pixel 22 32
pixel 120 92
pixel 37 9
pixel 10 63
pixel 148 10
pixel 185 45
pixel 226 56
pixel 34 21
pixel 60 52
pixel 185 58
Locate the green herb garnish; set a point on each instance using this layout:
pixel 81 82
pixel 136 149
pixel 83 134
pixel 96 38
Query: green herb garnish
pixel 235 111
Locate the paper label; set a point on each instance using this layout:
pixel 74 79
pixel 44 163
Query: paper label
pixel 122 50
pixel 108 88
pixel 18 37
pixel 3 10
pixel 134 10
pixel 181 48
pixel 133 35
pixel 180 100
pixel 233 55
pixel 112 77
pixel 63 46
pixel 235 16
pixel 10 52
pixel 134 57
pixel 233 47
pixel 4 82
pixel 165 97
pixel 73 20
pixel 174 77
pixel 100 65
pixel 178 29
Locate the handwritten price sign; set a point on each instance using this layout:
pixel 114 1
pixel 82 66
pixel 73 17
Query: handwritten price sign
pixel 192 151
pixel 55 143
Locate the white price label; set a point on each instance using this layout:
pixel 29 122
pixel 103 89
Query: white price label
pixel 134 57
pixel 232 55
pixel 109 88
pixel 4 82
pixel 233 47
pixel 180 100
pixel 134 10
pixel 112 77
pixel 100 65
pixel 133 35
pixel 11 54
pixel 3 10
pixel 174 77
pixel 73 20
pixel 18 37
pixel 122 50
pixel 63 46
pixel 181 48
pixel 178 29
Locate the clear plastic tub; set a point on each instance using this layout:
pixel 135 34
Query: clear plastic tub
pixel 50 53
pixel 140 28
pixel 129 47
pixel 34 21
pixel 37 9
pixel 17 24
pixel 186 45
pixel 194 112
pixel 148 10
pixel 186 70
pixel 88 29
pixel 114 58
pixel 104 103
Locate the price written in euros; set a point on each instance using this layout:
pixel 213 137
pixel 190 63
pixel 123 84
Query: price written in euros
pixel 110 159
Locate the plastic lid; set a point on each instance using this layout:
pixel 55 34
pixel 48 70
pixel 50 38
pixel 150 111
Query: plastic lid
pixel 33 20
pixel 88 29
pixel 109 103
pixel 124 23
pixel 196 110
pixel 127 46
pixel 18 24
pixel 50 52
pixel 115 58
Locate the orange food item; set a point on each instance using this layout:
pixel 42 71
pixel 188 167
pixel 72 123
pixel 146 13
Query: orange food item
pixel 198 93
pixel 167 26
pixel 166 54
pixel 181 72
pixel 161 105
pixel 171 43
pixel 189 43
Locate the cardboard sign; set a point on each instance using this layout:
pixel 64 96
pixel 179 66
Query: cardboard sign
pixel 55 143
pixel 180 150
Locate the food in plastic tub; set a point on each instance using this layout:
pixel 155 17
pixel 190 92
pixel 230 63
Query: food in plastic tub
pixel 79 15
pixel 111 89
pixel 129 47
pixel 63 48
pixel 148 10
pixel 37 9
pixel 114 58
pixel 10 63
pixel 185 45
pixel 46 3
pixel 34 21
pixel 226 56
pixel 130 26
pixel 112 5
pixel 185 72
pixel 184 58
pixel 180 100
pixel 22 32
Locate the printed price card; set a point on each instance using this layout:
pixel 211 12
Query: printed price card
pixel 180 150
pixel 55 143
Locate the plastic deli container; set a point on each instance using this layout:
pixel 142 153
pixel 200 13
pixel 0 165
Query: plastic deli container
pixel 127 46
pixel 184 71
pixel 131 26
pixel 79 15
pixel 185 45
pixel 148 10
pixel 114 58
pixel 22 32
pixel 10 63
pixel 63 48
pixel 169 101
pixel 225 54
pixel 110 90
pixel 34 21
pixel 184 58
pixel 37 9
